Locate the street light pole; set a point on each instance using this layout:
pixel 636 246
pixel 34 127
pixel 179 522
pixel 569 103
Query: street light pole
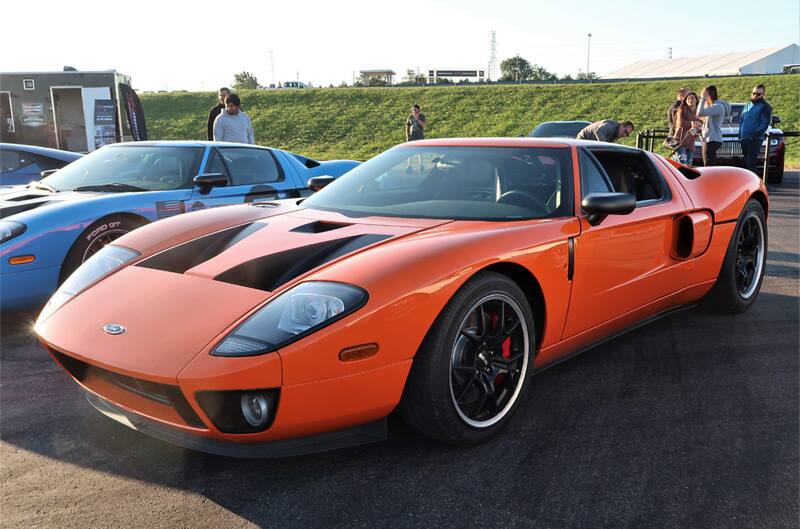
pixel 588 49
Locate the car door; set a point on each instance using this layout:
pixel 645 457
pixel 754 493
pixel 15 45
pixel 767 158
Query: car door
pixel 253 174
pixel 623 263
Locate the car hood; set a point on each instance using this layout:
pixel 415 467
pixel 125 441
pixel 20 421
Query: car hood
pixel 174 303
pixel 17 199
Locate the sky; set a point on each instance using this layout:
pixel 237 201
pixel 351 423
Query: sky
pixel 200 45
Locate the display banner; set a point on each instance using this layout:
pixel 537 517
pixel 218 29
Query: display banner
pixel 134 111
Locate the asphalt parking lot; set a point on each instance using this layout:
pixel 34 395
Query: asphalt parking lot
pixel 689 422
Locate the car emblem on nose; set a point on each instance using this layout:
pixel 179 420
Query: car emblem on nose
pixel 113 328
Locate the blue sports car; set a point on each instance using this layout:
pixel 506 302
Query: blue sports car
pixel 20 164
pixel 50 227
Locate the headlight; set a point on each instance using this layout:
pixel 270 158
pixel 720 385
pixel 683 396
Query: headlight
pixel 296 313
pixel 774 141
pixel 100 264
pixel 10 229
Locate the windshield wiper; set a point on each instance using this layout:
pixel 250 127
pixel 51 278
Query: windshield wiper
pixel 41 184
pixel 114 187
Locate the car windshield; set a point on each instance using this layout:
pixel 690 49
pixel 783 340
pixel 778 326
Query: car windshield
pixel 129 167
pixel 558 130
pixel 460 183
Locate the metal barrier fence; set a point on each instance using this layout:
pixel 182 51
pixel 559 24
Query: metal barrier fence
pixel 730 146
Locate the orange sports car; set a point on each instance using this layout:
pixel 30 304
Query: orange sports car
pixel 436 278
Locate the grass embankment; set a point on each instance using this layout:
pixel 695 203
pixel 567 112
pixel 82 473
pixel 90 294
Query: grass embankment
pixel 359 123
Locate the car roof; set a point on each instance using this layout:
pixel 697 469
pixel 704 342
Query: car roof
pixel 44 151
pixel 184 143
pixel 524 141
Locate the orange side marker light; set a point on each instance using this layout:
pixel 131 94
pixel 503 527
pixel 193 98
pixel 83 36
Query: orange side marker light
pixel 358 352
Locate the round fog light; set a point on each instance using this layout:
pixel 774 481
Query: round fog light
pixel 255 409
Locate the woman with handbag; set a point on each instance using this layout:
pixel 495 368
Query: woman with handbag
pixel 686 133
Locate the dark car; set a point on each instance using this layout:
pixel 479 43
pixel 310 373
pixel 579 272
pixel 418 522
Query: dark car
pixel 559 129
pixel 730 153
pixel 20 164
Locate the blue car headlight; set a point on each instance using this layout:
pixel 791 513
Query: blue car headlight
pixel 297 312
pixel 108 259
pixel 10 229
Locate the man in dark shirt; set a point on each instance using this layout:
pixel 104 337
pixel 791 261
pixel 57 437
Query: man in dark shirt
pixel 212 115
pixel 607 130
pixel 756 119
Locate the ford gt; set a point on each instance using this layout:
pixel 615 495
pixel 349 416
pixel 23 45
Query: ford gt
pixel 51 226
pixel 435 279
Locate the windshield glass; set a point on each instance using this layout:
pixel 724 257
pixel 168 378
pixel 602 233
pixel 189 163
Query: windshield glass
pixel 559 130
pixel 147 167
pixel 466 183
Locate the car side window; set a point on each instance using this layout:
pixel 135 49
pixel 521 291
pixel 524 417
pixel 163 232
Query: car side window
pixel 215 164
pixel 593 178
pixel 632 172
pixel 13 160
pixel 251 166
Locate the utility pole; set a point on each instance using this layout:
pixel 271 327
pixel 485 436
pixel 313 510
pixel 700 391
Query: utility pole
pixel 272 65
pixel 492 56
pixel 588 49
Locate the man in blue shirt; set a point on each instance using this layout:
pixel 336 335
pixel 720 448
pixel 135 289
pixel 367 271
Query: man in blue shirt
pixel 756 118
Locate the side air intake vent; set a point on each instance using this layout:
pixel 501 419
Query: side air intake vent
pixel 271 271
pixel 190 254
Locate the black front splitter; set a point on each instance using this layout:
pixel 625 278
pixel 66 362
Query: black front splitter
pixel 357 435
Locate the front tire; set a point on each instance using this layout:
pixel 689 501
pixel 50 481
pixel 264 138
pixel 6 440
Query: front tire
pixel 742 272
pixel 471 372
pixel 93 238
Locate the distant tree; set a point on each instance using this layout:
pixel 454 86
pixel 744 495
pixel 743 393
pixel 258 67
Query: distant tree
pixel 515 69
pixel 244 81
pixel 344 85
pixel 587 76
pixel 566 77
pixel 412 78
pixel 539 73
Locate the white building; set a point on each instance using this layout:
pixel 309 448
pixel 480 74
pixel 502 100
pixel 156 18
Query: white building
pixel 765 61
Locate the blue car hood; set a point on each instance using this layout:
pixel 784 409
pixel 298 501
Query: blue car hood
pixel 16 199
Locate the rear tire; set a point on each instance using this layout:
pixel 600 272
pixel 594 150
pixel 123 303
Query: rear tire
pixel 93 238
pixel 471 372
pixel 742 271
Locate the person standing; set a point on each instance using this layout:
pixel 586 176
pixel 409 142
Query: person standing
pixel 713 111
pixel 680 95
pixel 415 124
pixel 214 112
pixel 685 133
pixel 233 124
pixel 756 119
pixel 607 130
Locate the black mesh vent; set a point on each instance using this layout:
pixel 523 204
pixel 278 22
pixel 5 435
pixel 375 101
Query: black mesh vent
pixel 271 271
pixel 163 393
pixel 190 254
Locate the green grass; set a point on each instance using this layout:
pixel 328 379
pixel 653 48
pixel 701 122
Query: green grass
pixel 359 123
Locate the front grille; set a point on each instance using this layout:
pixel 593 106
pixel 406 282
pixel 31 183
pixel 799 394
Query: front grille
pixel 730 148
pixel 162 393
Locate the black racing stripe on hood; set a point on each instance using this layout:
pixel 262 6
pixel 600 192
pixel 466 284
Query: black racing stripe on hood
pixel 271 271
pixel 7 211
pixel 190 254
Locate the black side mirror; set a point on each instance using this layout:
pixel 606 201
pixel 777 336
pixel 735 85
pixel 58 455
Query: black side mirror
pixel 318 182
pixel 47 173
pixel 776 120
pixel 208 180
pixel 601 205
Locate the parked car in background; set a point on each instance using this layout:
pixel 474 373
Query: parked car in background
pixel 20 164
pixel 730 153
pixel 295 84
pixel 50 227
pixel 437 292
pixel 559 129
